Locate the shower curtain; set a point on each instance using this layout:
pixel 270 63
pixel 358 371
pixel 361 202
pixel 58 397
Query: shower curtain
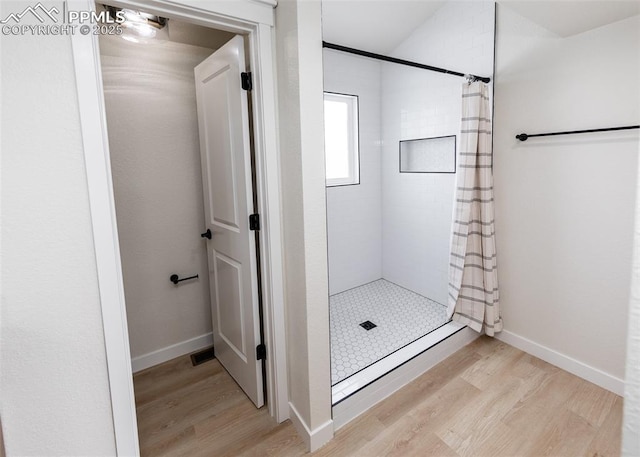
pixel 473 275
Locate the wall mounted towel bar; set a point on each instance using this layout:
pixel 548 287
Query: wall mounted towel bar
pixel 524 136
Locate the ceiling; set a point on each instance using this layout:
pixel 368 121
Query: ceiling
pixel 567 18
pixel 381 25
pixel 196 35
pixel 192 34
pixel 373 25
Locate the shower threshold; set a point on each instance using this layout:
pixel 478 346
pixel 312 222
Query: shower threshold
pixel 383 336
pixel 362 390
pixel 391 362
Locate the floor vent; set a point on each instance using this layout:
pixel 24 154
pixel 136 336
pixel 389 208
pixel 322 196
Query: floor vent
pixel 202 356
pixel 368 325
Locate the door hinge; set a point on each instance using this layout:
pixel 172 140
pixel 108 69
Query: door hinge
pixel 247 84
pixel 254 222
pixel 261 352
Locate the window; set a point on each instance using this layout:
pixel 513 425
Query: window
pixel 341 139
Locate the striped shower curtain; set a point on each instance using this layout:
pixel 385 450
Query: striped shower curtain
pixel 473 275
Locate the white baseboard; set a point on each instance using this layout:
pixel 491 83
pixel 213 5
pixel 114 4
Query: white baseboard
pixel 314 439
pixel 171 352
pixel 573 366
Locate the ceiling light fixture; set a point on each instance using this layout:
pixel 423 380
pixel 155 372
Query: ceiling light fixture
pixel 140 27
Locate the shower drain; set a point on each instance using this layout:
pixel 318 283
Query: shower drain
pixel 368 325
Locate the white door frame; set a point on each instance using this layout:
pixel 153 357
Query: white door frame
pixel 255 19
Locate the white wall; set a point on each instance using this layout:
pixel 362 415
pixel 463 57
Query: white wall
pixel 54 378
pixel 631 423
pixel 354 226
pixel 565 205
pixel 155 158
pixel 417 208
pixel 299 66
pixel 2 451
pixel 55 394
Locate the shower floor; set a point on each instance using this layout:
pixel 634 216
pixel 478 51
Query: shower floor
pixel 400 317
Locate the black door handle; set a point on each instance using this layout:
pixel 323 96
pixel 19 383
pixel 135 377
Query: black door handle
pixel 206 234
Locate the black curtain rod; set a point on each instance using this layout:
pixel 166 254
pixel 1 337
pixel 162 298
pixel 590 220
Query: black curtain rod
pixel 524 136
pixel 372 55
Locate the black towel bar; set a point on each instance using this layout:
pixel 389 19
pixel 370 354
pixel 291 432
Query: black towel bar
pixel 524 136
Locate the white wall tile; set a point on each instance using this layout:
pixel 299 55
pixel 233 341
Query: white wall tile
pixel 393 225
pixel 353 212
pixel 417 208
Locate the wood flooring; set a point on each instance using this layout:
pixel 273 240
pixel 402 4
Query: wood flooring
pixel 488 399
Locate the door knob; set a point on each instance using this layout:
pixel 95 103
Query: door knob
pixel 206 234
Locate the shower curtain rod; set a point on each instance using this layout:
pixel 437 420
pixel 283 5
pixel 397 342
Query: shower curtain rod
pixel 524 136
pixel 372 55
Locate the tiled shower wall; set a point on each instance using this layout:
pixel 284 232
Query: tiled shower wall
pixel 417 208
pixel 353 212
pixel 397 226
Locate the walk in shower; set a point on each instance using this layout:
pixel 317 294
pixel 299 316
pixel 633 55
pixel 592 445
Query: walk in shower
pixel 392 142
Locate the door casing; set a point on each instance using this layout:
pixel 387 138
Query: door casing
pixel 255 19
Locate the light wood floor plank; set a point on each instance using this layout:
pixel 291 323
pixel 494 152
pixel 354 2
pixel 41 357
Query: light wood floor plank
pixel 592 403
pixel 608 440
pixel 482 373
pixel 230 434
pixel 429 383
pixel 187 406
pixel 179 442
pixel 425 444
pixel 488 399
pixel 566 434
pixel 281 441
pixel 155 382
pixel 350 439
pixel 408 433
pixel 475 422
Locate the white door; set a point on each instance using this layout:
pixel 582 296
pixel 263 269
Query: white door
pixel 223 119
